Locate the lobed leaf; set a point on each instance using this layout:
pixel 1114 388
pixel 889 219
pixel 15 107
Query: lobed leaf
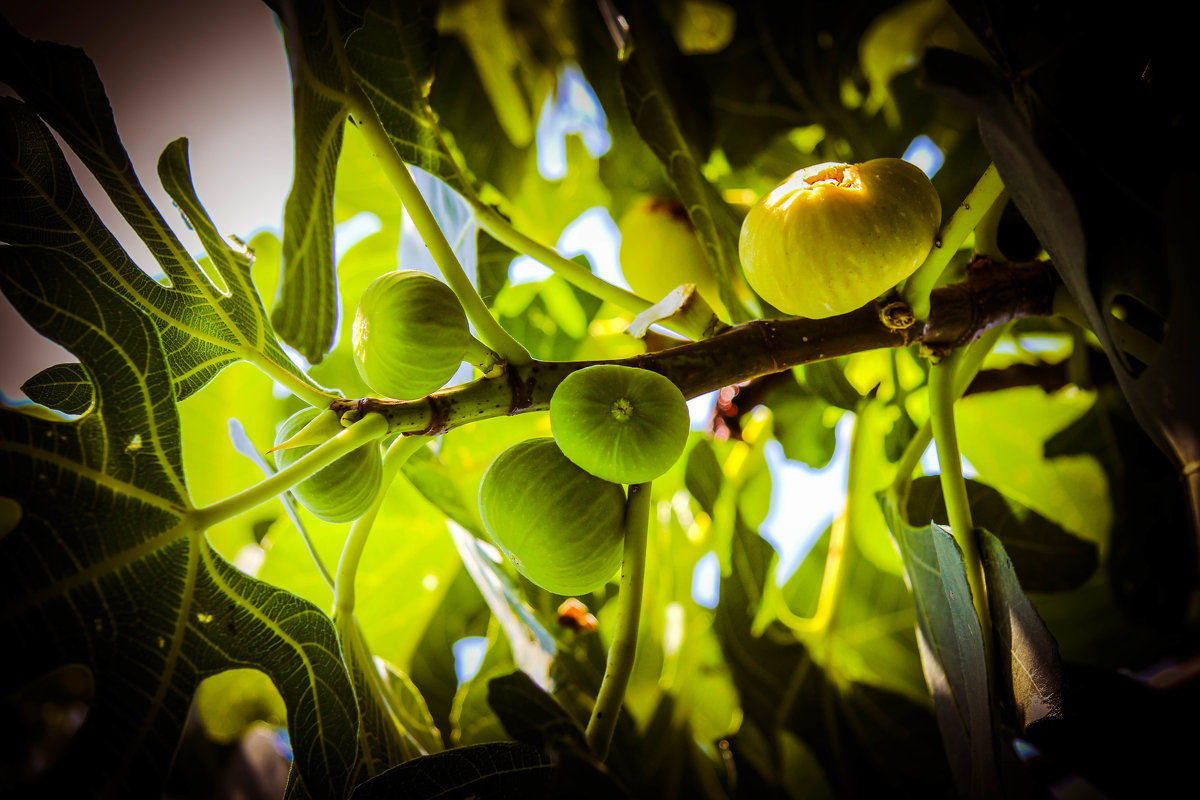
pixel 496 770
pixel 204 327
pixel 305 311
pixel 104 568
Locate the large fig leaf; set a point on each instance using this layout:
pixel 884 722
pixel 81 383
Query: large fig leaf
pixel 305 311
pixel 392 57
pixel 1121 245
pixel 107 568
pixel 204 326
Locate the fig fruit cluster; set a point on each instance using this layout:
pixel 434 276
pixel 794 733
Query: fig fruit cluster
pixel 833 237
pixel 343 490
pixel 556 506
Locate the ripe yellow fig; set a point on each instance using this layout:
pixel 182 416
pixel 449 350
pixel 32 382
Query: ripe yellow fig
pixel 622 424
pixel 340 492
pixel 659 250
pixel 833 237
pixel 410 335
pixel 561 527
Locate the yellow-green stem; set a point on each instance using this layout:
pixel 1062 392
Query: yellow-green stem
pixel 503 231
pixel 968 368
pixel 397 173
pixel 343 586
pixel 986 232
pixel 629 610
pixel 834 580
pixel 1125 336
pixel 369 428
pixel 918 286
pixel 954 486
pixel 310 394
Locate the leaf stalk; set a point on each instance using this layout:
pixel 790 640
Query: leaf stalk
pixel 370 428
pixel 920 284
pixel 629 610
pixel 954 485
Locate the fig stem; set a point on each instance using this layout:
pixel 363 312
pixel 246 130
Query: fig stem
pixel 1126 337
pixel 979 200
pixel 503 231
pixel 482 357
pixel 942 383
pixel 396 170
pixel 369 428
pixel 968 368
pixel 629 610
pixel 397 453
pixel 986 232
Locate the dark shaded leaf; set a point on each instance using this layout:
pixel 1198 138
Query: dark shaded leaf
pixel 869 741
pixel 1045 557
pixel 952 652
pixel 1118 244
pixel 827 380
pixel 496 770
pixel 703 475
pixel 531 716
pixel 1031 676
pixel 64 387
pixel 130 587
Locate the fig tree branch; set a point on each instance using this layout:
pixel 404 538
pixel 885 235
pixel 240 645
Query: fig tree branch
pixel 992 294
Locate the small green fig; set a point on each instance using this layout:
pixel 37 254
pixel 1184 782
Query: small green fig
pixel 340 492
pixel 561 527
pixel 833 237
pixel 410 335
pixel 622 424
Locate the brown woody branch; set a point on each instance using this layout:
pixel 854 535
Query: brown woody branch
pixel 991 294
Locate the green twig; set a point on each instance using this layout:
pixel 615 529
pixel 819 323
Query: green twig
pixel 954 486
pixel 576 274
pixel 918 286
pixel 314 396
pixel 396 170
pixel 369 428
pixel 986 232
pixel 343 586
pixel 1125 336
pixel 624 647
pixel 968 368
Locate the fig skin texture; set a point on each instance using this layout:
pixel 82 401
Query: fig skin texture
pixel 833 237
pixel 622 424
pixel 561 527
pixel 342 491
pixel 660 250
pixel 410 335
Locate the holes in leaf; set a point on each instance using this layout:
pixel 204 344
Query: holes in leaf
pixel 1137 331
